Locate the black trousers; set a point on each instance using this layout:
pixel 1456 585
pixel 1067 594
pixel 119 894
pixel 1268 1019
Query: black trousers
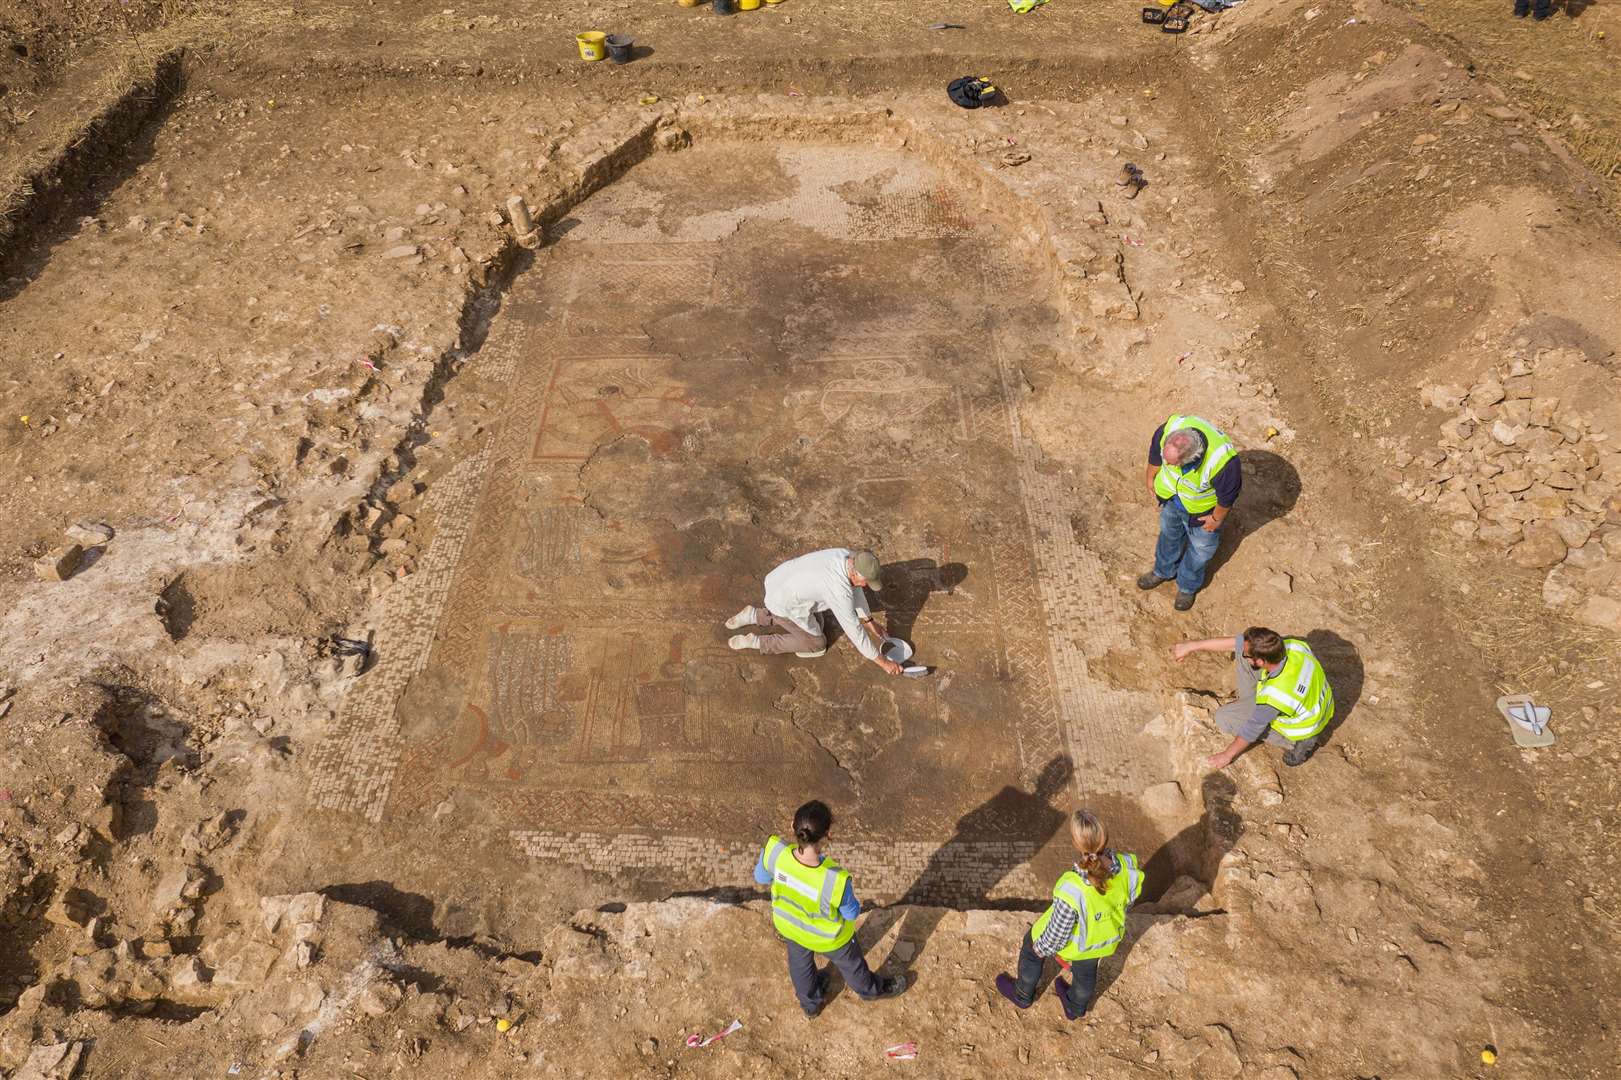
pixel 1083 978
pixel 847 958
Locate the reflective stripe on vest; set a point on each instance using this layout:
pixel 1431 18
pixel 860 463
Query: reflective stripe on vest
pixel 804 899
pixel 1299 691
pixel 1193 488
pixel 1100 922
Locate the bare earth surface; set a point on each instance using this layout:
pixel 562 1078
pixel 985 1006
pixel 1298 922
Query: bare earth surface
pixel 393 731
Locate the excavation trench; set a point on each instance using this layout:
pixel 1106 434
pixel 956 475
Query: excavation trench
pixel 766 344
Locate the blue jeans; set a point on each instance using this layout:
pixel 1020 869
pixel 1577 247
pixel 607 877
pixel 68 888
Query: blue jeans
pixel 1083 978
pixel 1183 548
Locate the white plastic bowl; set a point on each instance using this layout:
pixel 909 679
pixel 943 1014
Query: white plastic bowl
pixel 896 650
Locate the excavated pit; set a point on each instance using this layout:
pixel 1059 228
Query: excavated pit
pixel 727 356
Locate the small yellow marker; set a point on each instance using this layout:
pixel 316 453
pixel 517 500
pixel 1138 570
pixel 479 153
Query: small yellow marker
pixel 503 1024
pixel 1489 1056
pixel 24 419
pixel 1272 433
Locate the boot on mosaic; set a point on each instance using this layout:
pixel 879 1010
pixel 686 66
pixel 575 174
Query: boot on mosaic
pixel 744 641
pixel 747 617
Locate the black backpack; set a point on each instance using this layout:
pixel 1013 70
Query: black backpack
pixel 971 91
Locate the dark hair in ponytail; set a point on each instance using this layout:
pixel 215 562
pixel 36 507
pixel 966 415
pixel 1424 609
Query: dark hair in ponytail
pixel 811 822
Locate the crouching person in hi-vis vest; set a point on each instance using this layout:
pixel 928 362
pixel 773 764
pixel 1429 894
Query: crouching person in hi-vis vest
pixel 1283 695
pixel 814 910
pixel 1085 922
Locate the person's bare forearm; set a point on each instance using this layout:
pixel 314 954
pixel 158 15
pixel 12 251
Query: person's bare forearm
pixel 1226 757
pixel 1184 649
pixel 1152 471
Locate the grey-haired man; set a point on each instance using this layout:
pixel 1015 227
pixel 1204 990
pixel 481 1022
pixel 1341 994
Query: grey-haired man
pixel 800 590
pixel 1194 472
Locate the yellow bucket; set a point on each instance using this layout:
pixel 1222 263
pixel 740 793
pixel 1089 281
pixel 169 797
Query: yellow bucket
pixel 747 5
pixel 593 45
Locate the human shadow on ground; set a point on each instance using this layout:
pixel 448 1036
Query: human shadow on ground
pixel 907 588
pixel 1179 872
pixel 964 870
pixel 1342 667
pixel 1271 489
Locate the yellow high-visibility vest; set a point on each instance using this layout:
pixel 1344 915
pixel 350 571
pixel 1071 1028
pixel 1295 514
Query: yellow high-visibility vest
pixel 1194 486
pixel 805 899
pixel 1299 691
pixel 1101 916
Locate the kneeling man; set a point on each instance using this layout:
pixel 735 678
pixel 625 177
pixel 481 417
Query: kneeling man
pixel 798 592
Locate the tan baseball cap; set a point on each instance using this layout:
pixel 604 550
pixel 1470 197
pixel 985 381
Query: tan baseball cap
pixel 865 563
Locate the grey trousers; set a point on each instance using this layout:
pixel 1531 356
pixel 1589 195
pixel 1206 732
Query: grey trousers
pixel 1232 717
pixel 790 636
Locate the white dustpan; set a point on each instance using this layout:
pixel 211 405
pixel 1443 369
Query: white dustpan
pixel 1527 721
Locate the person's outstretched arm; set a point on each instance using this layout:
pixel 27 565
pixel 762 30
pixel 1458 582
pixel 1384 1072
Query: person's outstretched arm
pixel 1183 649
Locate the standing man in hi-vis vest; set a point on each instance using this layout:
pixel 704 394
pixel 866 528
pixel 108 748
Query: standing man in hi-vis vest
pixel 1193 471
pixel 1283 695
pixel 814 910
pixel 1085 922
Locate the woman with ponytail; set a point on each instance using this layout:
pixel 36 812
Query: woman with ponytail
pixel 1085 922
pixel 814 910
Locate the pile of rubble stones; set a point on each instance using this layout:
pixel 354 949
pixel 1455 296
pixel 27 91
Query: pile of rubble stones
pixel 1528 474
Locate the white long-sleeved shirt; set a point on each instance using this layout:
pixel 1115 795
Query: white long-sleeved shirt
pixel 819 582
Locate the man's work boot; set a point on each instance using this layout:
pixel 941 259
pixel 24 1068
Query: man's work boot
pixel 747 617
pixel 1184 601
pixel 1010 990
pixel 1299 753
pixel 1151 580
pixel 744 641
pixel 1522 8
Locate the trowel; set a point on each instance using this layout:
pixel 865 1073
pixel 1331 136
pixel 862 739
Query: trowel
pixel 897 651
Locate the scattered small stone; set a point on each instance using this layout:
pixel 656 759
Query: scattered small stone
pixel 403 251
pixel 1572 530
pixel 1600 611
pixel 518 213
pixel 60 563
pixel 1443 396
pixel 1541 548
pixel 89 533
